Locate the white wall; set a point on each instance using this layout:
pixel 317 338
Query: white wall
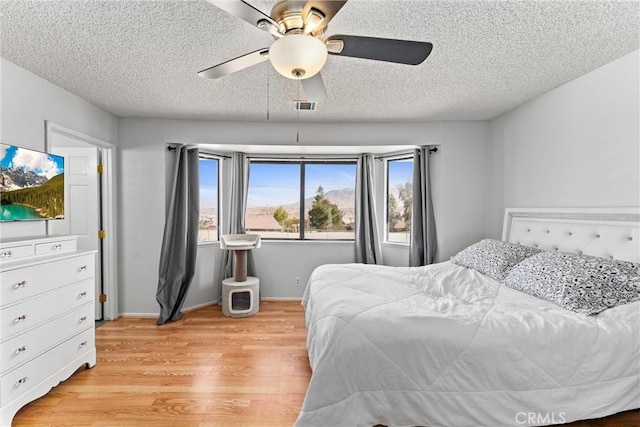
pixel 459 187
pixel 141 214
pixel 26 102
pixel 459 174
pixel 279 264
pixel 576 146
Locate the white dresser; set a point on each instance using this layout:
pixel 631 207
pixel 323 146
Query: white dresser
pixel 47 327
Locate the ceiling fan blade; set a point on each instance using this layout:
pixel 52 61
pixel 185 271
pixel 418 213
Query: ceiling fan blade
pixel 245 11
pixel 236 64
pixel 314 88
pixel 328 8
pixel 389 50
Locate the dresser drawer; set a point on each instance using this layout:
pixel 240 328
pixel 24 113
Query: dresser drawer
pixel 29 375
pixel 16 252
pixel 21 317
pixel 22 348
pixel 22 283
pixel 50 248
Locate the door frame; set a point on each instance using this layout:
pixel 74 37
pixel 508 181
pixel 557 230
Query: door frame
pixel 108 206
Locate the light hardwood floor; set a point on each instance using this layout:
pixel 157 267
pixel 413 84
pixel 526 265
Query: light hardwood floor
pixel 205 370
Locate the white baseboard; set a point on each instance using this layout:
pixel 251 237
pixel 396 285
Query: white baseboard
pixel 184 310
pixel 138 315
pixel 206 304
pixel 195 307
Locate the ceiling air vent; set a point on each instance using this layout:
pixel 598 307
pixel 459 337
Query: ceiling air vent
pixel 304 105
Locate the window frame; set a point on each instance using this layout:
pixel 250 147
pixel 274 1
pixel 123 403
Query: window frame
pixel 302 162
pixel 387 160
pixel 219 159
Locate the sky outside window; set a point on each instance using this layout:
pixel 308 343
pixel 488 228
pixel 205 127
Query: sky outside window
pixel 209 183
pixel 400 172
pixel 273 184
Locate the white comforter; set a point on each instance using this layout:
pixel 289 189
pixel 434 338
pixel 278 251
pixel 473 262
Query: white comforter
pixel 445 345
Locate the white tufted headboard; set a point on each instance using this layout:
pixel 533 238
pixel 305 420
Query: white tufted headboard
pixel 604 232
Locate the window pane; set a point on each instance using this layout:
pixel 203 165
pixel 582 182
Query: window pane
pixel 399 199
pixel 330 201
pixel 273 200
pixel 208 224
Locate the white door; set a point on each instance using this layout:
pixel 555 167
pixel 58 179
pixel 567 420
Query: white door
pixel 81 202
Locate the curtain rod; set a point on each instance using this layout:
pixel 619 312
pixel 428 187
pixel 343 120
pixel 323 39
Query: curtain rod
pixel 318 158
pixel 431 150
pixel 173 148
pixel 215 155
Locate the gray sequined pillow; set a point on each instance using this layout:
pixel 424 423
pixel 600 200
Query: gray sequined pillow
pixel 493 257
pixel 581 283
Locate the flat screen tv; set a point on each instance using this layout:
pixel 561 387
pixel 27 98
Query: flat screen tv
pixel 31 184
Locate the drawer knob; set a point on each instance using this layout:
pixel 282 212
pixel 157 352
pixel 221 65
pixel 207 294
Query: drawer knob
pixel 56 247
pixel 5 254
pixel 20 284
pixel 21 381
pixel 21 349
pixel 82 319
pixel 82 294
pixel 20 318
pixel 82 268
pixel 84 344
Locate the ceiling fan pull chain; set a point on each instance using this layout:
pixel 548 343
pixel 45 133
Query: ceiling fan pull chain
pixel 268 90
pixel 298 113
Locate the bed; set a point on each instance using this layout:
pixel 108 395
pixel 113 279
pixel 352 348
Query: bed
pixel 446 345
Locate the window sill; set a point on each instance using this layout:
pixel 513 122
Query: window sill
pixel 306 241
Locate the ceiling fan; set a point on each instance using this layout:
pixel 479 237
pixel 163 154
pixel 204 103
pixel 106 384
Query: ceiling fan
pixel 301 48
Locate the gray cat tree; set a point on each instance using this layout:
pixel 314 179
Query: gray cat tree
pixel 240 293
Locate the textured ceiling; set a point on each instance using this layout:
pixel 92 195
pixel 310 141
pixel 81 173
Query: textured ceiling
pixel 140 58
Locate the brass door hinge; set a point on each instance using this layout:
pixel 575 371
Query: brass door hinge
pixel 100 169
pixel 102 298
pixel 102 234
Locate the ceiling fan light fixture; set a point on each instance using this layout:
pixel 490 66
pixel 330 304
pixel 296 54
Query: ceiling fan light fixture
pixel 298 56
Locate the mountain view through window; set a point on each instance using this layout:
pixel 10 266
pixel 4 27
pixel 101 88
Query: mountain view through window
pixel 321 193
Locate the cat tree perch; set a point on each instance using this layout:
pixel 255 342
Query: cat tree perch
pixel 240 244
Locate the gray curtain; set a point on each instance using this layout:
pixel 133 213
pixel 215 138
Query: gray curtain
pixel 235 216
pixel 180 238
pixel 368 248
pixel 423 244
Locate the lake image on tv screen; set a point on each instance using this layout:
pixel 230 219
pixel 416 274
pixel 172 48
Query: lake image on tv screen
pixel 31 184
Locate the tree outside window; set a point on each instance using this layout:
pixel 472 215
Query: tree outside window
pixel 399 199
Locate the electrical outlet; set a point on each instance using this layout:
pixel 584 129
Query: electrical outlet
pixel 297 281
